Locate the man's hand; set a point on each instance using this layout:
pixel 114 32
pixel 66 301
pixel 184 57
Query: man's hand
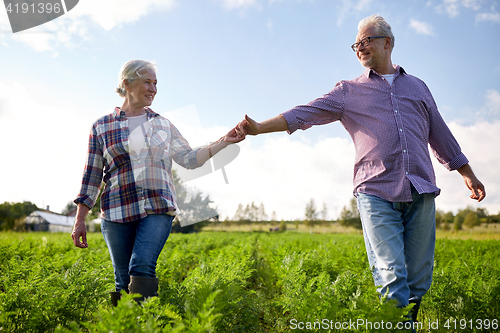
pixel 248 126
pixel 473 184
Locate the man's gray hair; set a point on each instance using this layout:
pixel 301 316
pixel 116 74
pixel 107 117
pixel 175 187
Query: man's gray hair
pixel 383 28
pixel 130 71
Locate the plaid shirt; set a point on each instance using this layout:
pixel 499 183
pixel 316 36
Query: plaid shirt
pixel 134 181
pixel 392 127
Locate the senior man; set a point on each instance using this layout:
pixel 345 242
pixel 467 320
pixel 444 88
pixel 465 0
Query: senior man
pixel 392 119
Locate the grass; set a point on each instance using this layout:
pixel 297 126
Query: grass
pixel 482 232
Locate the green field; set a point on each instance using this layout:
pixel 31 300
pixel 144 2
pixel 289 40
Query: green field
pixel 239 282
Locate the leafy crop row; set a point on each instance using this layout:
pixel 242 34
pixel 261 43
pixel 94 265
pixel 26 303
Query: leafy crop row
pixel 234 282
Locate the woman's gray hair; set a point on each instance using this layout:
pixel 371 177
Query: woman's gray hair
pixel 130 72
pixel 383 28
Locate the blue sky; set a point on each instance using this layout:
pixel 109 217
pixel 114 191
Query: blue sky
pixel 228 58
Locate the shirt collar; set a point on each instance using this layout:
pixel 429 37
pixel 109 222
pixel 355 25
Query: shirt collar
pixel 118 113
pixel 399 70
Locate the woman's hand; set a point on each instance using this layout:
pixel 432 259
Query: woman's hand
pixel 79 229
pixel 233 137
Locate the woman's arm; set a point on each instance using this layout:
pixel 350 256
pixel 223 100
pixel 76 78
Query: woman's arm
pixel 206 153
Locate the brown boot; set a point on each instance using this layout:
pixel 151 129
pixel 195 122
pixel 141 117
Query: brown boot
pixel 115 297
pixel 146 286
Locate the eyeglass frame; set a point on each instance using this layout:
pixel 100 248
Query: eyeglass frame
pixel 354 46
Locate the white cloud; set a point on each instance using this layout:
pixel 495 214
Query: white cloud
pixel 479 143
pixel 491 108
pixel 269 24
pixel 76 23
pixel 284 174
pixel 43 149
pixel 239 4
pixel 423 28
pixel 111 13
pixel 453 7
pixel 492 16
pixel 349 8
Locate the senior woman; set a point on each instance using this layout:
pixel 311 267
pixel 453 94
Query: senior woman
pixel 131 151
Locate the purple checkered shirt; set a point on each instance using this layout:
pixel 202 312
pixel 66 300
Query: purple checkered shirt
pixel 134 182
pixel 392 127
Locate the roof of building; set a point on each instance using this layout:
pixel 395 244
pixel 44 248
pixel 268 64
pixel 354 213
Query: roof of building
pixel 52 218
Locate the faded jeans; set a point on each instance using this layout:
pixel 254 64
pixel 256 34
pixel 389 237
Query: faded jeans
pixel 135 246
pixel 400 240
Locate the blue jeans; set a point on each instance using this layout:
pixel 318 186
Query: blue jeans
pixel 135 246
pixel 400 240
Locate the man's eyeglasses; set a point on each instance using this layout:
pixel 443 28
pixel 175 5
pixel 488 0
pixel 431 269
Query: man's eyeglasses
pixel 364 42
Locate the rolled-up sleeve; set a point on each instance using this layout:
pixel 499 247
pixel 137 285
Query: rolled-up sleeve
pixel 443 144
pixel 323 110
pixel 92 173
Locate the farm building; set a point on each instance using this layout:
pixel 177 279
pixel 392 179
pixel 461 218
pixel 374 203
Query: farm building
pixel 47 221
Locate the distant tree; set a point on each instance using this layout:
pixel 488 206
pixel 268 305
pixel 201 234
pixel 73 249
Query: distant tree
pixel 324 212
pixel 195 208
pixel 323 217
pixel 349 216
pixel 439 218
pixel 311 215
pixel 447 220
pixel 12 212
pixel 282 226
pixel 458 221
pixel 240 213
pixel 262 216
pixel 251 213
pixel 482 213
pixel 471 219
pixel 297 223
pixel 70 206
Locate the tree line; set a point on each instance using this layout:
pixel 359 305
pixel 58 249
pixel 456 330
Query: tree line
pixel 349 216
pixel 196 207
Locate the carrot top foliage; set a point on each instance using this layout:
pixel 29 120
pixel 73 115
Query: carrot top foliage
pixel 235 282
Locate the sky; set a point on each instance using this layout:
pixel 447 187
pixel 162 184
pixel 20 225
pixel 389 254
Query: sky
pixel 221 59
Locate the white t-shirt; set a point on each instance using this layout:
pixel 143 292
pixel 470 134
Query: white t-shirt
pixel 389 78
pixel 138 127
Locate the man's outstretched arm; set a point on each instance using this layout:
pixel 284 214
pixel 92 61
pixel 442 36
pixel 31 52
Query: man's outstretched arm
pixel 251 127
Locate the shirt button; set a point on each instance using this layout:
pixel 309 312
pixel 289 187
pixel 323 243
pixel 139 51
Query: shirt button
pixel 396 111
pixel 401 130
pixel 406 172
pixel 404 151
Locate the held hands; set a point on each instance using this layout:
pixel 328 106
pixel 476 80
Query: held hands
pixel 232 137
pixel 247 126
pixel 240 131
